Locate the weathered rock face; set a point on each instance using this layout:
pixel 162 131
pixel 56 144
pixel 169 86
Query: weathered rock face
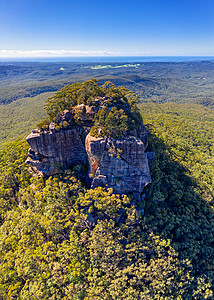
pixel 51 150
pixel 120 164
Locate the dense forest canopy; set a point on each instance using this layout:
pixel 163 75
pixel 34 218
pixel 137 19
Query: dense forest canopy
pixel 117 113
pixel 87 93
pixel 180 82
pixel 49 249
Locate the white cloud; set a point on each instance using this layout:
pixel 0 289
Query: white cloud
pixel 52 53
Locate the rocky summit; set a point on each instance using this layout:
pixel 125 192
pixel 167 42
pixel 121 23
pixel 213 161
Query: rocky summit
pixel 120 164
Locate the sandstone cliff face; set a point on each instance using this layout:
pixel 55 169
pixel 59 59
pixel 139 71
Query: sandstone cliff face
pixel 53 150
pixel 120 164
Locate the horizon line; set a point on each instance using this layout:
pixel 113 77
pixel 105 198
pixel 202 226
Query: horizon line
pixel 30 54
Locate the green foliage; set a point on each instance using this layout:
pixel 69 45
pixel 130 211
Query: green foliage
pixel 119 112
pixel 112 123
pixel 146 268
pixel 19 117
pixel 154 82
pixel 51 250
pixel 180 197
pixel 182 82
pixel 87 93
pixel 59 240
pixel 188 134
pixel 72 95
pixel 44 124
pixel 13 174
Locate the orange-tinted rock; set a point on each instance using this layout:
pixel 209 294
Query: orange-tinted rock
pixel 94 148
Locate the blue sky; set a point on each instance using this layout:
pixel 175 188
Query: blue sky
pixel 74 27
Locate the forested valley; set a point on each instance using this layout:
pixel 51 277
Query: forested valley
pixel 48 249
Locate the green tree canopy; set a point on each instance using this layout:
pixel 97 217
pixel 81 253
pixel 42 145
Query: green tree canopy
pixel 116 104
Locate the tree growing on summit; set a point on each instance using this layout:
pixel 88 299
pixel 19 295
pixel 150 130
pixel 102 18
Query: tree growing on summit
pixel 119 111
pixel 111 123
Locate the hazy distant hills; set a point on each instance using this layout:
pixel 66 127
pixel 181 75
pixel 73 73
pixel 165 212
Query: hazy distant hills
pixel 157 82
